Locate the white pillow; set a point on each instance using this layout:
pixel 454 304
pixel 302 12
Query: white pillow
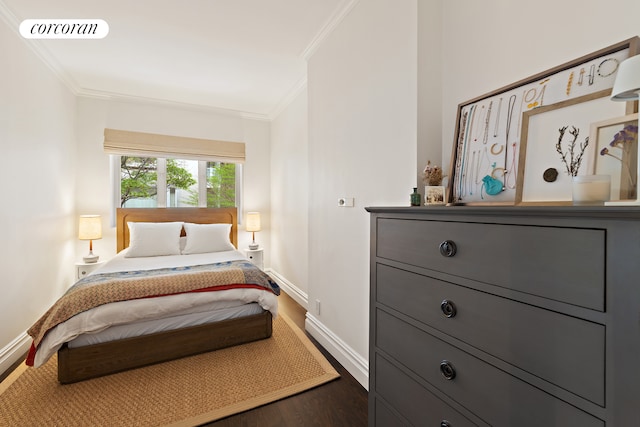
pixel 153 239
pixel 203 238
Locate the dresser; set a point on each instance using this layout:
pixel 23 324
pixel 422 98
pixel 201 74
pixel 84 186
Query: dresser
pixel 505 316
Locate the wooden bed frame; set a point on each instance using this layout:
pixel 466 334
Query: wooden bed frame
pixel 77 364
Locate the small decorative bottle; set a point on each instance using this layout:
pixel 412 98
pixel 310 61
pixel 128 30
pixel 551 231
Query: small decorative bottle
pixel 415 197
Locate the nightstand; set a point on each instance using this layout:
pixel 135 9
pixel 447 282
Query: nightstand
pixel 256 256
pixel 84 268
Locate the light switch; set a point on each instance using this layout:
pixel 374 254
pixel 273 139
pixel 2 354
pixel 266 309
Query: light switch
pixel 345 202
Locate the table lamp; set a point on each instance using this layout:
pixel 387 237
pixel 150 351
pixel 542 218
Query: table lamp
pixel 253 225
pixel 90 228
pixel 627 88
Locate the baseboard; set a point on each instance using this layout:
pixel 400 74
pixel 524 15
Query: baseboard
pixel 293 291
pixel 352 361
pixel 357 366
pixel 13 352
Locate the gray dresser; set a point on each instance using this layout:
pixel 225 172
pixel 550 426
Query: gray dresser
pixel 505 316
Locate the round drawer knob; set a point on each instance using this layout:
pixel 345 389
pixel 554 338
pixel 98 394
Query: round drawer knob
pixel 448 308
pixel 447 370
pixel 445 423
pixel 448 248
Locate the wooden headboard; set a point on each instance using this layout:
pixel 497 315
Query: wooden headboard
pixel 194 215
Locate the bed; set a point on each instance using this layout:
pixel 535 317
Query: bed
pixel 205 297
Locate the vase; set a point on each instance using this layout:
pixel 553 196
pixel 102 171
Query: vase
pixel 591 189
pixel 627 180
pixel 415 197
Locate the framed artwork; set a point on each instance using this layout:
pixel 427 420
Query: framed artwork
pixel 434 195
pixel 487 149
pixel 543 176
pixel 615 153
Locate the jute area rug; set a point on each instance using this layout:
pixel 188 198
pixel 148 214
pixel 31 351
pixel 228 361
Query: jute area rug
pixel 185 392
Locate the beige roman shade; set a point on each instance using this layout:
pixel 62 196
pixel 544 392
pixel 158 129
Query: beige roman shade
pixel 123 142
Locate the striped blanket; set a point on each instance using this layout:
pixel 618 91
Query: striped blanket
pixel 98 289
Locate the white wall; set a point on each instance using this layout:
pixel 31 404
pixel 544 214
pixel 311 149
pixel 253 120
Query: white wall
pixel 362 89
pixel 94 192
pixel 290 198
pixel 430 58
pixel 37 119
pixel 492 43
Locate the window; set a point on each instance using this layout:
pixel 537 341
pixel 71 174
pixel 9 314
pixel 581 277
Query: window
pixel 221 184
pixel 153 170
pixel 138 182
pixel 167 182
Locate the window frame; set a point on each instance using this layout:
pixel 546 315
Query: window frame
pixel 161 183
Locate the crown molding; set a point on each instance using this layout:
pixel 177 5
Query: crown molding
pixel 292 94
pixel 43 54
pixel 38 49
pixel 121 97
pixel 36 46
pixel 328 28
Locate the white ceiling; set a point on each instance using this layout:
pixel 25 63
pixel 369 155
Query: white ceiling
pixel 247 56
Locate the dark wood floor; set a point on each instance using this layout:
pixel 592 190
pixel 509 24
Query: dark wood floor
pixel 342 402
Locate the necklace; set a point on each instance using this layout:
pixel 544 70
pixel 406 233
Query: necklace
pixel 476 131
pixel 569 83
pixel 610 65
pixel 519 119
pixel 485 137
pixel 481 160
pixel 537 99
pixel 581 76
pixel 461 139
pixel 512 104
pixel 470 178
pixel 466 173
pixel 462 154
pixel 510 173
pixel 497 126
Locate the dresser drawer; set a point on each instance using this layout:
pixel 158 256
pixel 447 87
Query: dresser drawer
pixel 563 264
pixel 493 395
pixel 563 350
pixel 384 417
pixel 418 405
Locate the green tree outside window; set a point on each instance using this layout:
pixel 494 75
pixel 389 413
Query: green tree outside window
pixel 139 175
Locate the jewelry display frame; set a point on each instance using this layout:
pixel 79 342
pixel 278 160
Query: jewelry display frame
pixel 492 123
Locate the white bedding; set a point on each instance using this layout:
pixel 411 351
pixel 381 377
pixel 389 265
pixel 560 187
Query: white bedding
pixel 120 313
pixel 219 310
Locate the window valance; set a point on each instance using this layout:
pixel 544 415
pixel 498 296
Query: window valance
pixel 124 142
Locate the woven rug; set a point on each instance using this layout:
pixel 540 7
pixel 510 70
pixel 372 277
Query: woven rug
pixel 185 392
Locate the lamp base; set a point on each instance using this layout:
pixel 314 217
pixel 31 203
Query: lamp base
pixel 253 246
pixel 90 258
pixel 623 203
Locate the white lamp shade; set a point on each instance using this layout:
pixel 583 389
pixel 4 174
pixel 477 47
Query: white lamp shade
pixel 627 84
pixel 90 227
pixel 253 221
